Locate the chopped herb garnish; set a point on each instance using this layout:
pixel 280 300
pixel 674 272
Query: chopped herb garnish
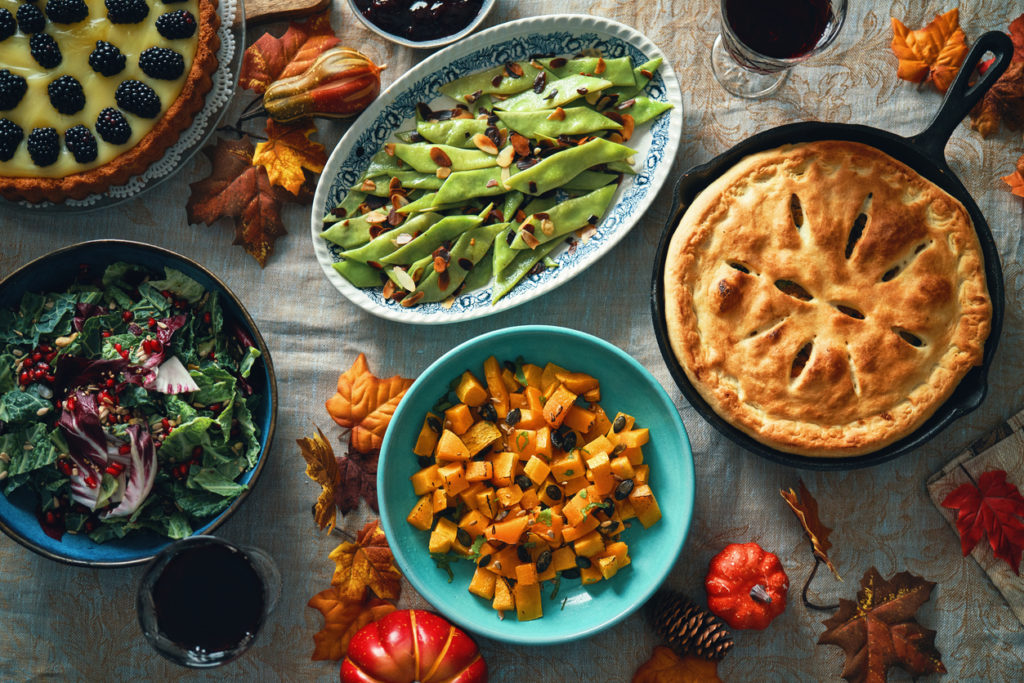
pixel 557 581
pixel 544 517
pixel 443 562
pixel 474 551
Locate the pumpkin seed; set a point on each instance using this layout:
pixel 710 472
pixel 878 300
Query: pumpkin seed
pixel 463 537
pixel 618 450
pixel 434 424
pixel 487 412
pixel 544 560
pixel 554 493
pixel 582 562
pixel 425 461
pixel 619 424
pixel 513 417
pixel 569 441
pixel 571 573
pixel 523 481
pixel 484 560
pixel 523 553
pixel 623 490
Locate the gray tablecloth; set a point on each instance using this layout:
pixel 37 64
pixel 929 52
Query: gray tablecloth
pixel 64 623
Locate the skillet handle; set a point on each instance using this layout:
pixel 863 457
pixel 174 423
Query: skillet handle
pixel 960 98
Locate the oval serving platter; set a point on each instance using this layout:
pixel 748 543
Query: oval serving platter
pixel 394 111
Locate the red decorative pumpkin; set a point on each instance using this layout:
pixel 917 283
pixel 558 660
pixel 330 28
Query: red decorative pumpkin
pixel 412 645
pixel 746 586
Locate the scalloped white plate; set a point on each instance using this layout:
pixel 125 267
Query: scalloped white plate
pixel 394 111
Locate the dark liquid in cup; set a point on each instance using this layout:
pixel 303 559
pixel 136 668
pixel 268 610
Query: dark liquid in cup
pixel 783 29
pixel 208 599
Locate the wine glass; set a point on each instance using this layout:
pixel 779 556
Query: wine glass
pixel 762 39
pixel 202 601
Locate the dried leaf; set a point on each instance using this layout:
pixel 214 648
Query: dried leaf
pixel 237 189
pixel 358 472
pixel 322 467
pixel 1016 179
pixel 365 404
pixel 287 151
pixel 367 563
pixel 933 53
pixel 879 631
pixel 1003 103
pixel 806 510
pixel 992 507
pixel 665 666
pixel 342 619
pixel 270 59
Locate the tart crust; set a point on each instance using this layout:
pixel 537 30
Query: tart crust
pixel 174 120
pixel 826 299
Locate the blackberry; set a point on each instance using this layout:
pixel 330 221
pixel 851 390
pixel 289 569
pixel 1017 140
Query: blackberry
pixel 177 24
pixel 66 94
pixel 138 98
pixel 44 49
pixel 126 11
pixel 66 11
pixel 11 136
pixel 162 63
pixel 30 19
pixel 12 89
pixel 80 142
pixel 113 127
pixel 106 59
pixel 7 24
pixel 43 146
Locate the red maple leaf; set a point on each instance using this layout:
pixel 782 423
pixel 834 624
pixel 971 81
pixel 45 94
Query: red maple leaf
pixel 270 59
pixel 995 507
pixel 358 479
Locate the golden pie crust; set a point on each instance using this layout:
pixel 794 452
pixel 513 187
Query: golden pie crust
pixel 898 310
pixel 174 120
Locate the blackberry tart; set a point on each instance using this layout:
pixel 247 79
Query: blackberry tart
pixel 825 298
pixel 94 91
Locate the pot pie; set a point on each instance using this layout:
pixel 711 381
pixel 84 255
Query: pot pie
pixel 94 91
pixel 824 298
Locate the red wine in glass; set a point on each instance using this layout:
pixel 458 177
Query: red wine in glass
pixel 784 30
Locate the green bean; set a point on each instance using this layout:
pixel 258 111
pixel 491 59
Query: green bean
pixel 590 180
pixel 422 157
pixel 463 185
pixel 618 70
pixel 480 275
pixel 500 81
pixel 563 218
pixel 454 132
pixel 359 274
pixel 447 228
pixel 577 121
pixel 382 245
pixel 348 208
pixel 467 251
pixel 512 201
pixel 522 264
pixel 348 233
pixel 411 180
pixel 557 169
pixel 555 94
pixel 642 109
pixel 383 163
pixel 641 80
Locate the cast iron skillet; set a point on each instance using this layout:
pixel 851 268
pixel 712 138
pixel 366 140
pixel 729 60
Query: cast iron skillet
pixel 924 153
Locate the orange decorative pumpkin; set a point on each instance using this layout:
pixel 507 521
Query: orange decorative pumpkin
pixel 340 83
pixel 413 645
pixel 746 586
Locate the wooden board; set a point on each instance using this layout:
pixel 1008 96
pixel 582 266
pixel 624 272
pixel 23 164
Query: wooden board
pixel 260 11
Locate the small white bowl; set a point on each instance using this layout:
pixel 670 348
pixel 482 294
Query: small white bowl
pixel 485 9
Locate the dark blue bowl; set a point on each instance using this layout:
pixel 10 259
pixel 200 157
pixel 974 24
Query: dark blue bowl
pixel 56 271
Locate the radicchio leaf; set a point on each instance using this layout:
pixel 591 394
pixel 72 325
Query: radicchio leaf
pixel 84 311
pixel 87 444
pixel 141 472
pixel 172 378
pixel 74 371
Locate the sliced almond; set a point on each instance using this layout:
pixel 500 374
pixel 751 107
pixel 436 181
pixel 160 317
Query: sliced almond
pixel 491 183
pixel 484 144
pixel 375 217
pixel 616 137
pixel 368 186
pixel 404 279
pixel 547 227
pixel 505 175
pixel 403 238
pixel 529 239
pixel 412 299
pixel 557 115
pixel 389 289
pixel 389 149
pixel 506 156
pixel 520 144
pixel 443 172
pixel 438 156
pixel 628 125
pixel 599 69
pixel 398 201
pixel 593 97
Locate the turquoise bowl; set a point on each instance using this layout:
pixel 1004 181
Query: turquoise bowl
pixel 576 611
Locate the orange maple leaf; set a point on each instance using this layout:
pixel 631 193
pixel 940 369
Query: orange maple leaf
pixel 367 563
pixel 1016 181
pixel 322 467
pixel 342 619
pixel 805 507
pixel 665 666
pixel 270 58
pixel 933 53
pixel 365 404
pixel 287 151
pixel 237 189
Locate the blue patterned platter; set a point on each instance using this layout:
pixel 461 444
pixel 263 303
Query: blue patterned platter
pixel 394 111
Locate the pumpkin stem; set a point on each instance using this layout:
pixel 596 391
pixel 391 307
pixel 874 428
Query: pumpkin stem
pixel 807 584
pixel 759 593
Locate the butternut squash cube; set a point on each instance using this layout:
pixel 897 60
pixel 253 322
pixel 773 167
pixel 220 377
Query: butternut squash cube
pixel 427 438
pixel 516 399
pixel 505 562
pixel 642 474
pixel 623 468
pixel 627 424
pixel 601 423
pixel 542 443
pixel 483 583
pixel 573 510
pixel 450 448
pixel 579 419
pixel 529 500
pixel 508 530
pixel 557 406
pixel 481 435
pixel 496 387
pixel 590 575
pixel 503 600
pixel 523 442
pixel 508 378
pixel 600 470
pixel 574 486
pixel 641 497
pixel 607 566
pixel 503 464
pixel 599 445
pixel 534 400
pixel 649 516
pixel 589 544
pixel 440 501
pixel 453 476
pixel 443 535
pixel 569 466
pixel 577 382
pixel 422 514
pixel 617 550
pixel 571 533
pixel 470 390
pixel 534 375
pixel 509 495
pixel 528 602
pixel 526 573
pixel 426 480
pixel 487 503
pixel 536 469
pixel 550 376
pixel 474 522
pixel 592 396
pixel 563 558
pixel 468 496
pixel 529 419
pixel 458 418
pixel 479 470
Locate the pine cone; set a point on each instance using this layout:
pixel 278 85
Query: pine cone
pixel 688 627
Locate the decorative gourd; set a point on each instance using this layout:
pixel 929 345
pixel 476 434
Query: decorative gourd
pixel 413 645
pixel 746 586
pixel 339 84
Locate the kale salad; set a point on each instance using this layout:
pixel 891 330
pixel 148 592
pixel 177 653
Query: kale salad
pixel 125 403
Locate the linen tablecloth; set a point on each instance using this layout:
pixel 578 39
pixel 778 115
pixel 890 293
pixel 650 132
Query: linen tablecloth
pixel 65 623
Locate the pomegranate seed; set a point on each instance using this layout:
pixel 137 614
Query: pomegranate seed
pixel 58 404
pixel 27 364
pixel 24 378
pixel 110 382
pixel 124 449
pixel 50 378
pixel 117 347
pixel 106 333
pixel 91 482
pixel 127 316
pixel 206 318
pixel 124 354
pixel 111 470
pixel 151 322
pixel 36 357
pixel 158 444
pixel 197 451
pixel 65 467
pixel 90 525
pixel 50 517
pixel 215 407
pixel 38 373
pixel 166 424
pixel 50 356
pixel 72 403
pixel 213 355
pixel 45 348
